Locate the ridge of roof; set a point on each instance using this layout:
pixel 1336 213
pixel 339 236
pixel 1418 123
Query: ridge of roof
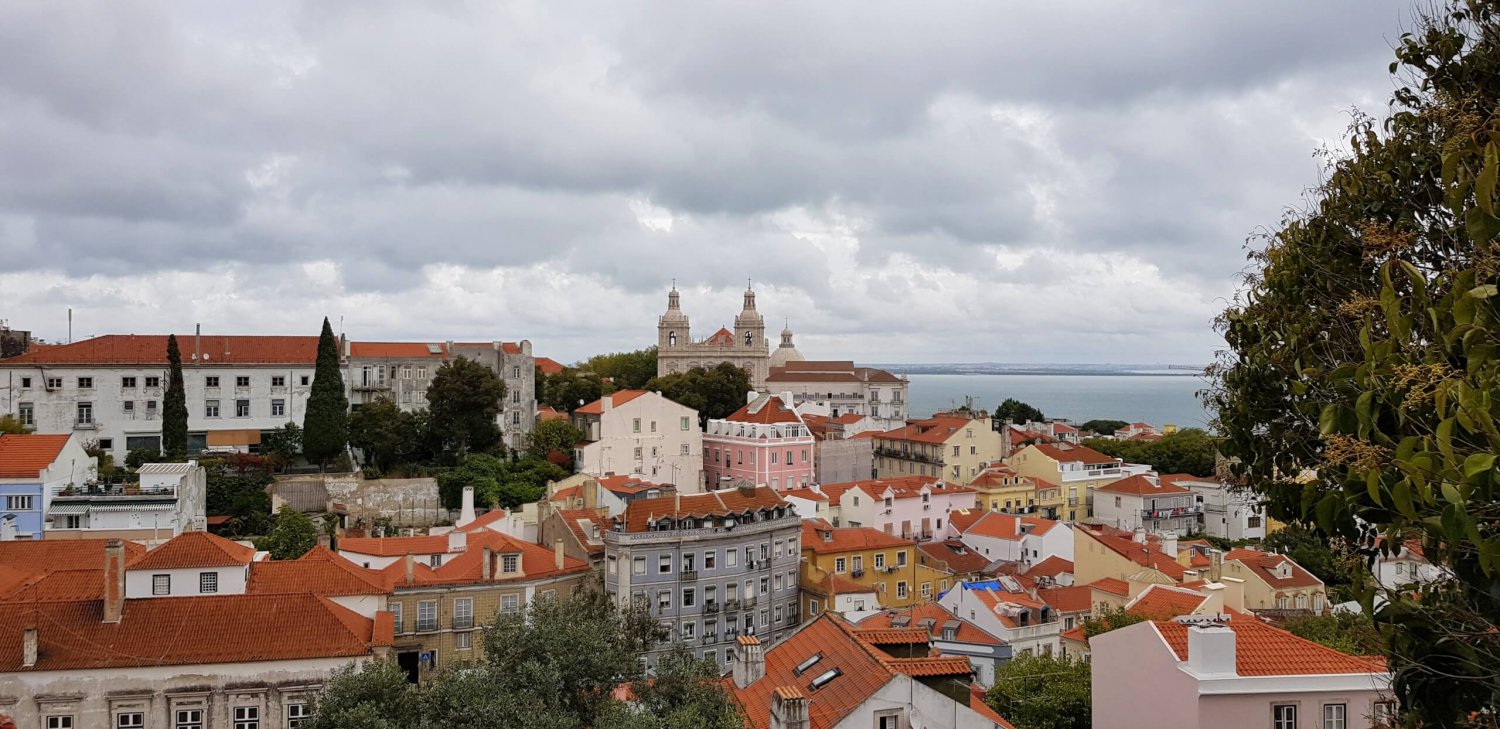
pixel 194 549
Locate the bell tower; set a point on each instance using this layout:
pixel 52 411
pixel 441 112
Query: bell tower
pixel 750 327
pixel 672 327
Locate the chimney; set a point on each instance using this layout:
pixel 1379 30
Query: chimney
pixel 557 553
pixel 28 648
pixel 606 403
pixel 1140 535
pixel 590 491
pixel 1234 593
pixel 466 512
pixel 749 661
pixel 1169 543
pixel 1215 604
pixel 114 580
pixel 486 567
pixel 1211 650
pixel 457 541
pixel 7 530
pixel 789 708
pixel 411 568
pixel 1215 564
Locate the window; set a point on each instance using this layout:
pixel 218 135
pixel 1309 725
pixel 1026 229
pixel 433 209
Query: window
pixel 859 563
pixel 463 641
pixel 1284 716
pixel 150 409
pixel 85 413
pixel 128 406
pixel 1334 716
pixel 278 408
pixel 161 584
pixel 638 566
pixel 242 381
pixel 709 558
pixel 731 557
pixel 683 422
pixel 515 397
pixel 188 719
pixel 210 408
pixel 689 630
pixel 663 600
pixel 515 371
pixel 463 613
pixel 664 564
pixel 396 616
pixel 510 563
pixel 635 427
pixel 127 382
pixel 73 521
pixel 304 380
pixel 247 717
pixel 130 720
pixel 839 565
pixel 60 722
pixel 241 408
pixel 1383 714
pixel 153 382
pixel 211 381
pixel 19 503
pixel 888 721
pixel 901 589
pixel 85 383
pixel 510 604
pixel 297 716
pixel 901 558
pixel 54 383
pixel 637 453
pixel 208 582
pixel 25 383
pixel 684 450
pixel 427 615
pixel 278 381
pixel 27 413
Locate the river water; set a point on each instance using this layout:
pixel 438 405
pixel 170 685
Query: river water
pixel 1155 399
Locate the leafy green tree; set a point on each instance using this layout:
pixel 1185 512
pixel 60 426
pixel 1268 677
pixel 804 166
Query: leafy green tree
pixel 498 481
pixel 239 493
pixel 568 389
pixel 138 457
pixel 1043 692
pixel 174 415
pixel 283 444
pixel 1015 411
pixel 11 425
pixel 325 427
pixel 554 436
pixel 465 398
pixel 714 393
pixel 1352 633
pixel 627 370
pixel 374 695
pixel 1359 383
pixel 1103 427
pixel 292 536
pixel 1190 450
pixel 383 433
pixel 684 692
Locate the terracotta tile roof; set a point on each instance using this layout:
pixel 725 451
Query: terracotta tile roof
pixel 1261 650
pixel 626 485
pixel 394 574
pixel 1163 602
pixel 977 704
pixel 1076 634
pixel 60 554
pixel 721 338
pixel 939 618
pixel 548 365
pixel 765 410
pixel 893 636
pixel 536 562
pixel 616 400
pixel 57 586
pixel 320 572
pixel 1145 555
pixel 173 631
pixel 641 513
pixel 833 585
pixel 829 371
pixel 578 519
pixel 933 430
pixel 401 350
pixel 1073 599
pixel 962 519
pixel 1111 585
pixel 564 495
pixel 151 349
pixel 1000 602
pixel 955 555
pixel 1140 485
pixel 1264 566
pixel 484 520
pixel 26 456
pixel 1068 453
pixel 1051 567
pixel 805 493
pixel 846 539
pixel 401 546
pixel 545 413
pixel 997 525
pixel 848 418
pixel 932 666
pixel 194 549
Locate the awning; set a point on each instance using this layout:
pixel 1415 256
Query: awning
pixel 137 506
pixel 67 508
pixel 222 438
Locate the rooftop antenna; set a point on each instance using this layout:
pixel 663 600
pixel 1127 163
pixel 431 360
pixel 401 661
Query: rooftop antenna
pixel 70 325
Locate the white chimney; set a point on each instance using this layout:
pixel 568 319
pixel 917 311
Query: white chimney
pixel 1169 543
pixel 466 512
pixel 457 541
pixel 606 403
pixel 557 553
pixel 1140 535
pixel 749 661
pixel 1211 650
pixel 29 647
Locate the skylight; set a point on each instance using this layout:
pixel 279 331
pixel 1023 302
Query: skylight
pixel 824 677
pixel 803 666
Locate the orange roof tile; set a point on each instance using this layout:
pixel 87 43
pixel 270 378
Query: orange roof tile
pixel 626 485
pixel 58 586
pixel 44 555
pixel 616 400
pixel 955 555
pixel 819 538
pixel 998 525
pixel 721 338
pixel 1162 602
pixel 1068 453
pixel 935 617
pixel 806 493
pixel 1140 485
pixel 151 349
pixel 194 549
pixel 1145 555
pixel 833 585
pixel 548 366
pixel 1264 566
pixel 978 705
pixel 401 350
pixel 580 521
pixel 1073 599
pixel 484 520
pixel 893 636
pixel 400 546
pixel 1111 585
pixel 902 487
pixel 320 571
pixel 170 631
pixel 932 666
pixel 536 562
pixel 641 513
pixel 26 456
pixel 765 410
pixel 1051 567
pixel 1261 650
pixel 930 431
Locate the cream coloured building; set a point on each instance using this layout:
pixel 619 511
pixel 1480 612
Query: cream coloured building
pixel 950 447
pixel 644 434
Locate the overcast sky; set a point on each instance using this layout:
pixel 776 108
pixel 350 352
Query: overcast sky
pixel 923 182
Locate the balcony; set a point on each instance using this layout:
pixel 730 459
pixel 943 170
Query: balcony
pixel 463 623
pixel 710 638
pixel 85 424
pixel 905 455
pixel 856 574
pixel 1072 501
pixel 1172 513
pixel 710 608
pixel 732 605
pixel 748 603
pixel 689 575
pixel 90 491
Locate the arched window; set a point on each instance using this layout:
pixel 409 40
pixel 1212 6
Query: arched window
pixel 671 339
pixel 749 336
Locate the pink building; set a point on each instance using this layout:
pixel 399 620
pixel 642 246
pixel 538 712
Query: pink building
pixel 1239 673
pixel 765 443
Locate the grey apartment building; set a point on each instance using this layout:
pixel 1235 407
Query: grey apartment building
pixel 710 567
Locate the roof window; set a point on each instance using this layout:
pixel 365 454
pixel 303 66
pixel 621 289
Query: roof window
pixel 824 678
pixel 809 663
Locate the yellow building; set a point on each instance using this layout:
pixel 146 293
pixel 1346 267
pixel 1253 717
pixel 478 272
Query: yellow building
pixel 1075 470
pixel 1275 582
pixel 999 488
pixel 950 447
pixel 866 557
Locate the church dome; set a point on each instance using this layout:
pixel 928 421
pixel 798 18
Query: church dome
pixel 786 352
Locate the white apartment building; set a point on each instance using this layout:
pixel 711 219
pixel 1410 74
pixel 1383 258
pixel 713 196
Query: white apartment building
pixel 644 434
pixel 1147 501
pixel 170 499
pixel 1228 513
pixel 836 388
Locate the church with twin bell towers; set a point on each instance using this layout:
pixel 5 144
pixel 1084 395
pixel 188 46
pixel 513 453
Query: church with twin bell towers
pixel 745 347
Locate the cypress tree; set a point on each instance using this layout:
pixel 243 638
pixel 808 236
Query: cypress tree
pixel 325 428
pixel 174 406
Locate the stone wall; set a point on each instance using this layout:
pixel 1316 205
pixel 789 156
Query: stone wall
pixel 406 502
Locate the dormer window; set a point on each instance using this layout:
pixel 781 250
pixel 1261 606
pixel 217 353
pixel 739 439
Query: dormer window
pixel 510 563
